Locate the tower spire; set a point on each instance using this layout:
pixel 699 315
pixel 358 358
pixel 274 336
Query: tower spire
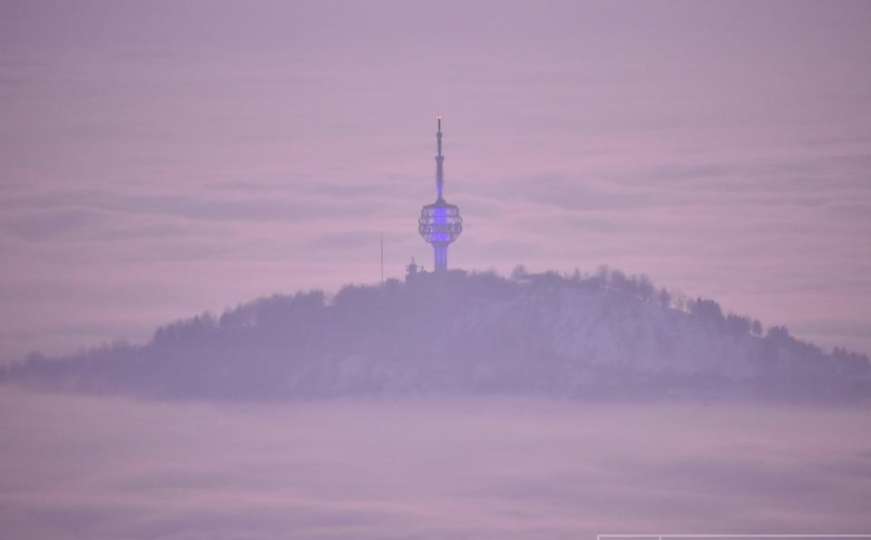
pixel 440 223
pixel 440 160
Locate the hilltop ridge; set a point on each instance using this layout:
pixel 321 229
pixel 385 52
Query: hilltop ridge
pixel 601 335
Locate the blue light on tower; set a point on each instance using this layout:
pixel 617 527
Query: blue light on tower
pixel 440 223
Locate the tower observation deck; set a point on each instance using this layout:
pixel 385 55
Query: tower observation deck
pixel 440 223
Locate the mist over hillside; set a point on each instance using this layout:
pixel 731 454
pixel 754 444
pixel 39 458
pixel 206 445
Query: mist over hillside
pixel 599 336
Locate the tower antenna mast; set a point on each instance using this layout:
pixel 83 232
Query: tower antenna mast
pixel 440 164
pixel 440 223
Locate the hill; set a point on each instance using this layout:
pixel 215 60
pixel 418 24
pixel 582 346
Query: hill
pixel 605 335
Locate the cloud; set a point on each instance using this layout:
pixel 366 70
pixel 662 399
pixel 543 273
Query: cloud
pixel 516 469
pixel 44 225
pixel 205 205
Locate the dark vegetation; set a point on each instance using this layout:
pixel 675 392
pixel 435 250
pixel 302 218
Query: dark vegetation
pixel 600 336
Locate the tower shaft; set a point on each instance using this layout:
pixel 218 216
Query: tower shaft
pixel 440 254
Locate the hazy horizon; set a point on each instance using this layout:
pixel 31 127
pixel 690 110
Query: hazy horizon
pixel 162 159
pixel 107 468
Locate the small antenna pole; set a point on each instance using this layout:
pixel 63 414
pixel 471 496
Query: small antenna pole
pixel 382 258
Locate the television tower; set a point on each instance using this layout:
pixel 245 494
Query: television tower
pixel 440 223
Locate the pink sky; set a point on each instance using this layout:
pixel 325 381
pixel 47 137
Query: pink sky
pixel 163 158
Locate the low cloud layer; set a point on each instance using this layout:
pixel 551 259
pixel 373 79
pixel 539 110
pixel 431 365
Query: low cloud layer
pixel 106 468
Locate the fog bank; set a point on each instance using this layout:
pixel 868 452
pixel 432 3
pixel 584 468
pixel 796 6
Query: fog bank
pixel 94 467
